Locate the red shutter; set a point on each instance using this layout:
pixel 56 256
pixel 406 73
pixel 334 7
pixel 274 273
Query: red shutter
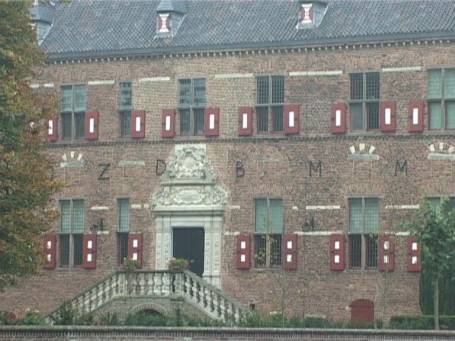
pixel 416 116
pixel 245 121
pixel 243 254
pixel 388 117
pixel 138 124
pixel 91 125
pixel 338 118
pixel 414 261
pixel 168 123
pixel 291 119
pixel 52 129
pixel 50 251
pixel 212 122
pixel 135 248
pixel 290 252
pixel 386 254
pixel 337 252
pixel 89 251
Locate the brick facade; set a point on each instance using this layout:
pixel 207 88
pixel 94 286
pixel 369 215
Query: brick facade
pixel 274 166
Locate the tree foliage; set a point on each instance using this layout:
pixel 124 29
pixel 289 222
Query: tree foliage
pixel 26 182
pixel 435 231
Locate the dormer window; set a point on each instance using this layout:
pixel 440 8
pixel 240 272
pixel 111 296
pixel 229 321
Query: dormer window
pixel 306 14
pixel 164 23
pixel 311 13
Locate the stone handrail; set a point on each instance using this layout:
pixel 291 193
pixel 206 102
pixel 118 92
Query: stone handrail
pixel 193 289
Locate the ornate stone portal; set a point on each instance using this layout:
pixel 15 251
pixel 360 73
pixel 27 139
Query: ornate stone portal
pixel 188 196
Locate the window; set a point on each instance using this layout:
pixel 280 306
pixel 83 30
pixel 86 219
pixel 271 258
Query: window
pixel 269 230
pixel 269 103
pixel 364 104
pixel 363 232
pixel 191 106
pixel 435 202
pixel 123 229
pixel 73 107
pixel 125 107
pixel 71 232
pixel 441 98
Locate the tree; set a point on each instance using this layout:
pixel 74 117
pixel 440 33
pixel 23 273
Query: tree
pixel 26 181
pixel 435 231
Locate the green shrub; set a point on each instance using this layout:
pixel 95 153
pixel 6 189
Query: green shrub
pixel 67 315
pixel 7 318
pixel 421 322
pixel 32 318
pixel 178 264
pixel 145 318
pixel 109 319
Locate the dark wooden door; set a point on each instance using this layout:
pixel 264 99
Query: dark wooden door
pixel 188 243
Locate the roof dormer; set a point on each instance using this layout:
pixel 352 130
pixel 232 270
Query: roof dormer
pixel 169 16
pixel 42 16
pixel 311 13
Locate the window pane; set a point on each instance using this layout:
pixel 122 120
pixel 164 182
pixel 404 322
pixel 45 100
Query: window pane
pixel 275 249
pixel 79 98
pixel 79 123
pixel 372 85
pixel 434 84
pixel 372 250
pixel 199 92
pixel 373 115
pixel 198 121
pixel 122 247
pixel 125 123
pixel 78 216
pixel 65 216
pixel 449 83
pixel 355 248
pixel 356 86
pixel 184 122
pixel 77 248
pixel 67 98
pixel 185 92
pixel 262 119
pixel 66 126
pixel 371 215
pixel 450 115
pixel 123 215
pixel 260 255
pixel 356 111
pixel 125 95
pixel 276 215
pixel 435 203
pixel 277 89
pixel 435 115
pixel 262 89
pixel 64 250
pixel 277 112
pixel 261 218
pixel 355 216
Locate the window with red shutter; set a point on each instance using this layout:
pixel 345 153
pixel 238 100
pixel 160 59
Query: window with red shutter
pixel 168 123
pixel 52 129
pixel 388 119
pixel 212 122
pixel 91 125
pixel 290 252
pixel 338 118
pixel 50 251
pixel 386 261
pixel 243 252
pixel 89 251
pixel 245 121
pixel 414 260
pixel 416 116
pixel 291 119
pixel 337 252
pixel 138 124
pixel 135 248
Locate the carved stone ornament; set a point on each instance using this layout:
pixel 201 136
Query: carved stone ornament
pixel 188 184
pixel 441 152
pixel 363 152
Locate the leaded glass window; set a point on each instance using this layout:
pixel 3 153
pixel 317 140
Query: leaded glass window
pixel 441 98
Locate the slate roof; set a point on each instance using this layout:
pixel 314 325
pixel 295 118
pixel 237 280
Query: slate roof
pixel 90 28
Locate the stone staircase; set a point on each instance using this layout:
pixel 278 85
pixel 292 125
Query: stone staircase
pixel 150 286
